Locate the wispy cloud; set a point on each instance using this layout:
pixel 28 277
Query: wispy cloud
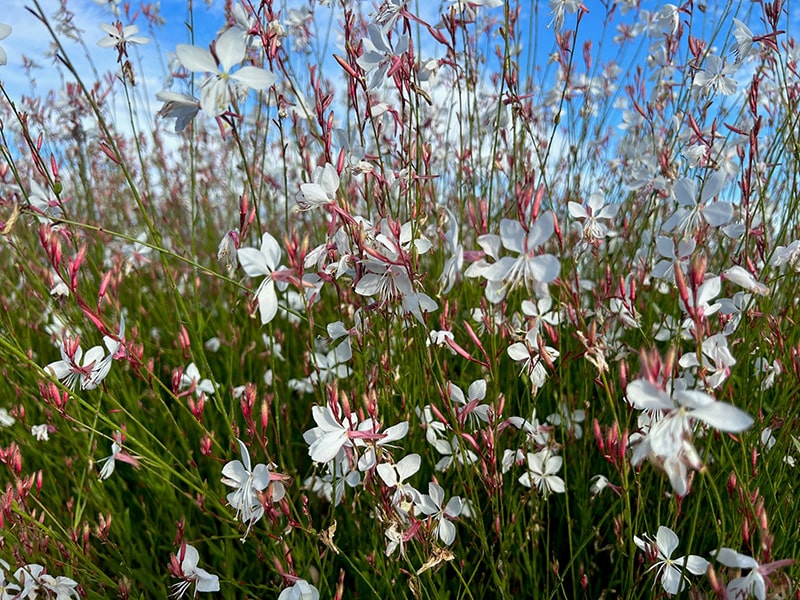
pixel 31 40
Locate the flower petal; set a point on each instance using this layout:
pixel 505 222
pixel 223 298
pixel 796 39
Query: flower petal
pixel 253 262
pixel 667 541
pixel 267 301
pixel 196 59
pixel 230 48
pixel 271 251
pixel 255 78
pixel 723 417
pixel 245 454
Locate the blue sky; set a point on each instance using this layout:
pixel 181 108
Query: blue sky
pixel 29 38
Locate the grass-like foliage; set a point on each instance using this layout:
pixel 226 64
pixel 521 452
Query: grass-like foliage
pixel 393 299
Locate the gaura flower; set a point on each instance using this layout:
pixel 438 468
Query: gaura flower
pixel 184 566
pixel 40 432
pixel 119 36
pixel 191 379
pixel 6 420
pixel 249 483
pixel 75 366
pixel 321 191
pixel 669 570
pixel 432 504
pixel 182 107
pixel 301 590
pixel 263 262
pixel 541 473
pixel 222 86
pixel 395 475
pixel 755 583
pixel 117 454
pixel 672 422
pixel 333 432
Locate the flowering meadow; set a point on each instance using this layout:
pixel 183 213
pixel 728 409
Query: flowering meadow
pixel 385 299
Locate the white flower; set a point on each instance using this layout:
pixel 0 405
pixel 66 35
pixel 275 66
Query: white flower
pixel 89 369
pixel 541 473
pixel 28 578
pixel 691 213
pixel 432 505
pixel 570 420
pixel 119 36
pixel 300 590
pixel 770 370
pixel 321 191
pixel 668 19
pixel 715 76
pixel 110 462
pixel 40 432
pixel 453 266
pixel 263 262
pixel 44 203
pixel 249 483
pixel 369 436
pixel 596 208
pixel 184 566
pixel 787 254
pixel 191 378
pixel 378 55
pixel 386 274
pixel 60 287
pixel 434 429
pixel 62 588
pixel 540 312
pixel 396 540
pixel 117 454
pixel 742 48
pixel 744 278
pixel 7 590
pixel 227 250
pixel 558 8
pixel 470 407
pixel 245 23
pixel 671 426
pixel 756 581
pixel 531 355
pixel 331 363
pixel 332 433
pixel 598 483
pixel 394 476
pixel 536 433
pixel 672 254
pixel 670 570
pixel 452 450
pixel 136 253
pixel 714 350
pixel 529 268
pixel 5 31
pixel 461 5
pixel 99 370
pixel 112 5
pixel 222 87
pixel 700 301
pixel 439 338
pixel 6 420
pixel 182 107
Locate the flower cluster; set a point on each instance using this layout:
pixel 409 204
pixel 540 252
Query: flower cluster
pixel 33 581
